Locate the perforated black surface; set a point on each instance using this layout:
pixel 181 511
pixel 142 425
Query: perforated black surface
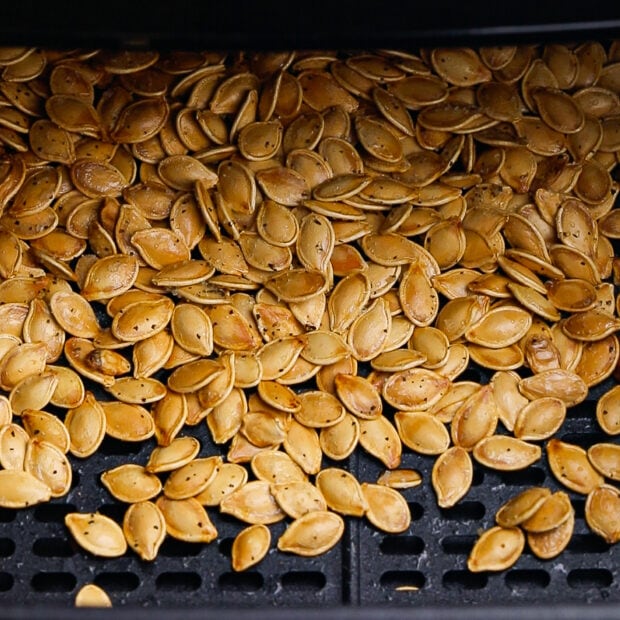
pixel 426 566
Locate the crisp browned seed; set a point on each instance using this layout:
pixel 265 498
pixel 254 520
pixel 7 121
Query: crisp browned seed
pixel 91 595
pixel 298 497
pixel 21 361
pixel 500 327
pixel 250 546
pixel 342 491
pixel 192 478
pixel 229 478
pixel 571 466
pixel 602 512
pixel 21 489
pixel 496 549
pixel 475 419
pixel 131 483
pixel 49 464
pixel 144 528
pixel 128 422
pixel 554 510
pixel 86 425
pixel 312 534
pixel 559 383
pixel 607 411
pixel 521 507
pixel 180 451
pixel 97 534
pixel 422 432
pixel 387 509
pixel 45 426
pixel 605 457
pixel 400 478
pixel 137 391
pixel 547 545
pixel 415 389
pixel 252 503
pixel 337 442
pixel 452 476
pixel 540 419
pixel 186 520
pixel 506 453
pixel 379 437
pixel 32 393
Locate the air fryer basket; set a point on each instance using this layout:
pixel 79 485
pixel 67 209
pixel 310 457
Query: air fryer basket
pixel 422 571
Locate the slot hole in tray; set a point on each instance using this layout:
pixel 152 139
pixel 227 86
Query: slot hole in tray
pixel 7 547
pixel 402 545
pixel 52 548
pixel 6 581
pixel 464 511
pixel 53 582
pixel 178 582
pixel 526 579
pixel 394 579
pixel 117 582
pixel 52 513
pixel 532 476
pixel 303 580
pixel 458 545
pixel 464 580
pixel 241 582
pixel 586 578
pixel 587 543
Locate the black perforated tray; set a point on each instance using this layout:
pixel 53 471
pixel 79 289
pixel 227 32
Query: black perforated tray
pixel 41 566
pixel 421 573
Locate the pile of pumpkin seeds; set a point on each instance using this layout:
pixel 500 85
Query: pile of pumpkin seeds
pixel 304 251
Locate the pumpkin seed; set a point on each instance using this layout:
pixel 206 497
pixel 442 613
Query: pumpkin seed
pixel 250 546
pixel 521 507
pixel 601 512
pixel 144 528
pixel 497 549
pixel 91 595
pixel 452 476
pixel 570 465
pixel 186 520
pixel 312 534
pixel 97 534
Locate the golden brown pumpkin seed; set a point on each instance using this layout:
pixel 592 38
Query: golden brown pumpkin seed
pixel 547 545
pixel 128 422
pixel 496 549
pixel 297 498
pixel 191 479
pixel 521 507
pixel 342 492
pixel 422 432
pixel 91 595
pixel 144 528
pixel 605 459
pixel 387 509
pixel 601 512
pixel 540 419
pixel 186 520
pixel 131 483
pixel 570 465
pixel 97 533
pixel 313 534
pixel 607 411
pixel 452 476
pixel 506 453
pixel 252 503
pixel 250 546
